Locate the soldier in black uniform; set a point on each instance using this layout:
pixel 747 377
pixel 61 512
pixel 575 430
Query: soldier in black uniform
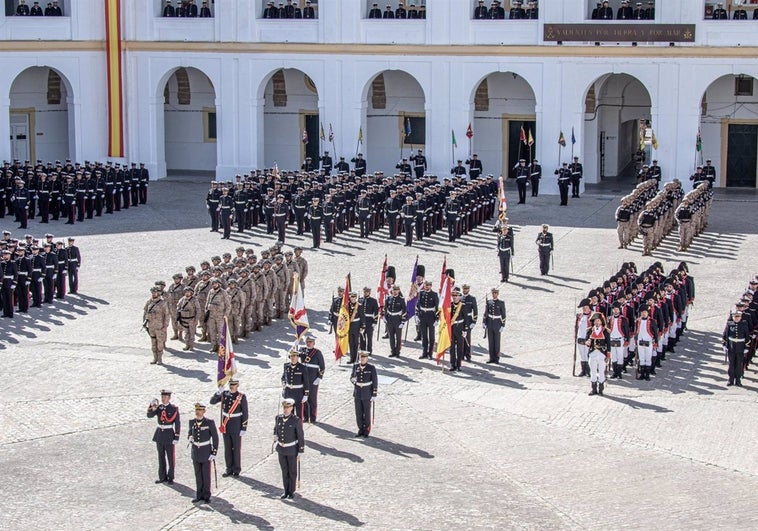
pixel 168 10
pixel 295 382
pixel 313 360
pixel 375 12
pixel 280 215
pixel 735 338
pixel 366 383
pixel 308 11
pixel 51 272
pixel 355 312
pixel 392 207
pixel 720 13
pixel 290 442
pixel 8 276
pixel 605 12
pixel 419 164
pixel 474 166
pixel 535 174
pixel 480 12
pixel 74 263
pixel 564 179
pixel 225 210
pixel 473 312
pixel 60 281
pixel 408 213
pixel 364 213
pixel 204 439
pixel 709 172
pixel 329 213
pixel 624 12
pixel 166 435
pixel 459 170
pixel 342 166
pixel 37 276
pixel 403 166
pixel 521 173
pixel 460 322
pixel 233 425
pixel 516 12
pixel 211 202
pixel 22 10
pixel 20 200
pixel 360 165
pixel 545 248
pixel 326 163
pixel 370 307
pixel 241 206
pixel 395 317
pixel 577 172
pixel 23 263
pixel 505 250
pixel 315 213
pixel 493 324
pixel 427 308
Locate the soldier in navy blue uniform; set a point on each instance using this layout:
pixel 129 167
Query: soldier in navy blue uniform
pixel 290 442
pixel 233 425
pixel 735 338
pixel 544 248
pixel 522 177
pixel 408 214
pixel 60 281
pixel 360 165
pixel 51 272
pixel 315 213
pixel 211 202
pixel 395 317
pixel 204 439
pixel 37 276
pixel 419 164
pixel 493 323
pixel 74 263
pixel 166 435
pixel 505 250
pixel 280 211
pixel 20 200
pixel 8 275
pixel 460 321
pixel 366 385
pixel 473 313
pixel 480 12
pixel 295 382
pixel 308 11
pixel 313 360
pixel 426 310
pixel 225 210
pixel 355 312
pixel 370 307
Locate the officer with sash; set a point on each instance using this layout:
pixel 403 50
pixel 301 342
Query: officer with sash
pixel 233 425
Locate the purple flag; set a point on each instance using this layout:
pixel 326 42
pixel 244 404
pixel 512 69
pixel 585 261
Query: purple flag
pixel 410 304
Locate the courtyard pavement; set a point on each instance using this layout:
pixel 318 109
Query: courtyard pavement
pixel 519 445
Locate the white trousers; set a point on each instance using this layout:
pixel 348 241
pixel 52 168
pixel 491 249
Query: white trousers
pixel 597 366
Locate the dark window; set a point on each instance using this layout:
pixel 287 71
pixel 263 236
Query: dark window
pixel 743 86
pixel 212 125
pixel 418 130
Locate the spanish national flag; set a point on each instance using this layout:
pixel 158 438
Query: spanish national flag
pixel 342 330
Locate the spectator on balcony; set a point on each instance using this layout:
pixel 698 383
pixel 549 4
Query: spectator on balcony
pixel 168 10
pixel 22 10
pixel 625 12
pixel 205 11
pixel 388 13
pixel 191 9
pixel 400 12
pixel 532 12
pixel 282 13
pixel 651 10
pixel 497 12
pixel 289 10
pixel 517 12
pixel 605 12
pixel 480 11
pixel 594 16
pixel 422 11
pixel 640 13
pixel 375 12
pixel 36 10
pixel 739 14
pixel 755 14
pixel 720 13
pixel 271 11
pixel 413 12
pixel 181 9
pixel 308 10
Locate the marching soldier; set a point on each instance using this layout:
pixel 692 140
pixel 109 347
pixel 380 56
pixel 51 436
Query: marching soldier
pixel 166 435
pixel 290 442
pixel 598 342
pixel 365 386
pixel 204 439
pixel 505 249
pixel 313 360
pixel 647 221
pixel 233 425
pixel 295 382
pixel 545 248
pixel 188 312
pixel 493 324
pixel 155 319
pixel 735 338
pixel 315 213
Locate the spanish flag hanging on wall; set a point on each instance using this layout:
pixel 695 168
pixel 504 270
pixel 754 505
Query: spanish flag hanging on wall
pixel 113 62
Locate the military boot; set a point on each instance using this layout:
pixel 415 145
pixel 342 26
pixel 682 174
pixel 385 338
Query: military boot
pixel 584 369
pixel 594 389
pixel 600 388
pixel 646 371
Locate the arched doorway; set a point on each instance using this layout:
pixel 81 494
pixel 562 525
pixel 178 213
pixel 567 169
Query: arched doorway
pixel 189 123
pixel 617 129
pixel 729 130
pixel 395 119
pixel 41 116
pixel 291 107
pixel 504 105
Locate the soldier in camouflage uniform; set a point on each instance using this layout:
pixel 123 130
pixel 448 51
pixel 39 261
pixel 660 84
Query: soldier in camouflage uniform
pixel 201 292
pixel 155 319
pixel 284 282
pixel 188 312
pixel 237 308
pixel 261 288
pixel 174 293
pixel 216 308
pixel 269 295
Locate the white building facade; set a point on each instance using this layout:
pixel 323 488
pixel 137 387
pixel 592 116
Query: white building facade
pixel 235 92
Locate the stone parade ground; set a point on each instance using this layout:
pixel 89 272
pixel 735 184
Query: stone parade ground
pixel 518 445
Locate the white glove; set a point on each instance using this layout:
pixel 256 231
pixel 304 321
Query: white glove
pixel 471 326
pixel 305 399
pixel 353 380
pixel 211 457
pixel 725 350
pixel 317 381
pixel 401 326
pixel 191 439
pixel 175 441
pixel 501 328
pixel 219 391
pixel 242 432
pixel 373 398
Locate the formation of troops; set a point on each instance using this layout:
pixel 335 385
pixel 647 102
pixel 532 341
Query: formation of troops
pixel 692 214
pixel 289 11
pixel 35 271
pixel 326 205
pixel 246 291
pixel 69 191
pixel 740 333
pixel 628 211
pixel 633 319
